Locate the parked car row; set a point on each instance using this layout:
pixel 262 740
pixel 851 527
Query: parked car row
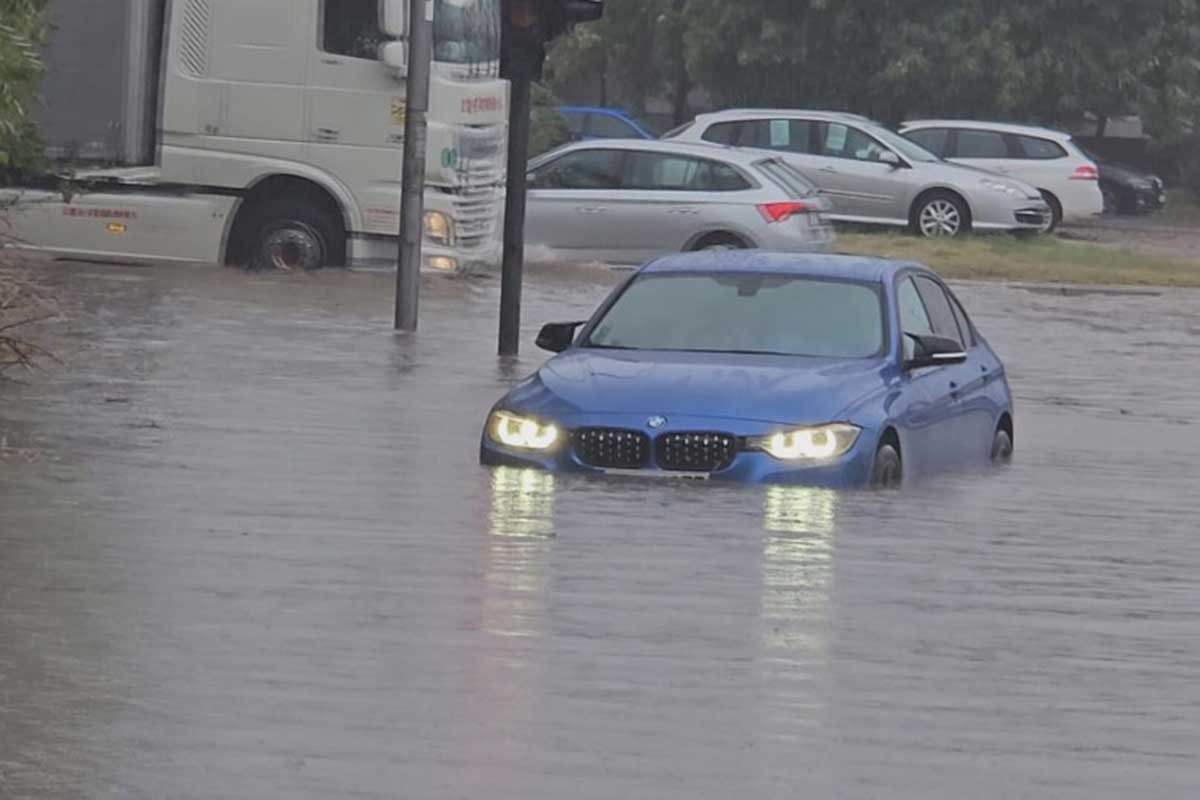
pixel 750 178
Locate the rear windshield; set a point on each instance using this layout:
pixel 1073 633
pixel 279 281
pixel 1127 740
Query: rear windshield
pixel 788 178
pixel 751 313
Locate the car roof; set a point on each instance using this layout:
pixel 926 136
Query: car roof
pixel 738 113
pixel 866 269
pixel 612 112
pixel 978 125
pixel 700 150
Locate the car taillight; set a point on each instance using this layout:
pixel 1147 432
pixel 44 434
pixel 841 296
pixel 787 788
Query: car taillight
pixel 1086 173
pixel 778 212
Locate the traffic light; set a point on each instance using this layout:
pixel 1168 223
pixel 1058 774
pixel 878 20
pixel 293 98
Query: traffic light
pixel 530 25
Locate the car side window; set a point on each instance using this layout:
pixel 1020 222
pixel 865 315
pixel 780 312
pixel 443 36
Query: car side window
pixel 583 169
pixel 668 173
pixel 964 324
pixel 842 141
pixel 782 135
pixel 913 317
pixel 981 144
pixel 574 121
pixel 937 304
pixel 351 28
pixel 606 126
pixel 932 139
pixel 1040 149
pixel 722 133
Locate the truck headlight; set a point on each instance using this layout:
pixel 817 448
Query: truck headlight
pixel 439 228
pixel 808 444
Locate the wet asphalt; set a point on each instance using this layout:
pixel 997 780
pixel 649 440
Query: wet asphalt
pixel 246 551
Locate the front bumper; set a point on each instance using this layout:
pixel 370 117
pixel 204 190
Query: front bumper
pixel 1012 215
pixel 853 470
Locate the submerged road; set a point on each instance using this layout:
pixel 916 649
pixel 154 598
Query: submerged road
pixel 246 551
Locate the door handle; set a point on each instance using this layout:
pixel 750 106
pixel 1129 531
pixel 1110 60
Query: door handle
pixel 829 170
pixel 591 209
pixel 954 390
pixel 328 134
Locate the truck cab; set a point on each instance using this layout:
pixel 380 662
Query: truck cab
pixel 288 116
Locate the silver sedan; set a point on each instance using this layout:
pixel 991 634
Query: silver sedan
pixel 875 176
pixel 627 202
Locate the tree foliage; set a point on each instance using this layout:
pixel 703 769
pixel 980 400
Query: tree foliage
pixel 1048 61
pixel 21 30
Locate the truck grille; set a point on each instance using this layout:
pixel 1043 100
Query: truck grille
pixel 696 452
pixel 475 213
pixel 611 448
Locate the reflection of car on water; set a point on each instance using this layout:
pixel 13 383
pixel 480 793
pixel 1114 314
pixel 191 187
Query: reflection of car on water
pixel 763 367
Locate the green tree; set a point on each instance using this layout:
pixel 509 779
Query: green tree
pixel 21 31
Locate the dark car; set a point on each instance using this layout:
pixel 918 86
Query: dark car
pixel 1127 189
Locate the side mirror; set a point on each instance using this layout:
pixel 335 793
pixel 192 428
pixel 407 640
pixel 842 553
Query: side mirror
pixel 394 55
pixel 558 336
pixel 393 17
pixel 891 159
pixel 934 351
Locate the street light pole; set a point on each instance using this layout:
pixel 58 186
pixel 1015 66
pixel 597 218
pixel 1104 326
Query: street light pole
pixel 412 203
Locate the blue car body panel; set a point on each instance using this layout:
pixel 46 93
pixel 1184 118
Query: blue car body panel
pixel 945 417
pixel 636 129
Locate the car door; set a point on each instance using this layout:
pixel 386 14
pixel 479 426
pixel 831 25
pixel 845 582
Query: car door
pixel 570 200
pixel 970 415
pixel 667 199
pixel 928 417
pixel 847 164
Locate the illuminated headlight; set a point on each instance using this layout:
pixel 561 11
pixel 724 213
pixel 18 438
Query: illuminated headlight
pixel 1006 188
pixel 439 228
pixel 523 433
pixel 808 444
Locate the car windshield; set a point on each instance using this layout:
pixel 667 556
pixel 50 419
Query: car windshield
pixel 744 313
pixel 909 149
pixel 466 31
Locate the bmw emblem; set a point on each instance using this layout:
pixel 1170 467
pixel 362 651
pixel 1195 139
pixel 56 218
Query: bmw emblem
pixel 656 423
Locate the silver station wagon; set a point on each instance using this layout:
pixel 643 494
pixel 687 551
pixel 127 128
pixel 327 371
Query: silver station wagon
pixel 629 201
pixel 875 176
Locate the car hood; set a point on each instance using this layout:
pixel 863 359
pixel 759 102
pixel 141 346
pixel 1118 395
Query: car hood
pixel 775 389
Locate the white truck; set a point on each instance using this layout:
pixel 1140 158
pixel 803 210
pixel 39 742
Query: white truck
pixel 264 132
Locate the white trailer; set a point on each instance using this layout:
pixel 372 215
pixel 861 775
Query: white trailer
pixel 264 131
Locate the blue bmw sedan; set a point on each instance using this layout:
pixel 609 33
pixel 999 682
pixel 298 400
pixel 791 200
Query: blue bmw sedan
pixel 821 370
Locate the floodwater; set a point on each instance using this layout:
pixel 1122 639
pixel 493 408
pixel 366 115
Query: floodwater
pixel 246 551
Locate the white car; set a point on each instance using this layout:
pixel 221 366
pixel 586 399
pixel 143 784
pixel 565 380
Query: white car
pixel 1045 158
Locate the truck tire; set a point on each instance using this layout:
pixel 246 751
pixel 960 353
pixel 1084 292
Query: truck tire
pixel 291 234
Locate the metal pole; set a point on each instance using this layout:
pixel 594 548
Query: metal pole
pixel 412 203
pixel 514 219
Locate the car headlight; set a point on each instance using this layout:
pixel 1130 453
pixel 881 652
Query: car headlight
pixel 1007 188
pixel 439 228
pixel 523 433
pixel 808 444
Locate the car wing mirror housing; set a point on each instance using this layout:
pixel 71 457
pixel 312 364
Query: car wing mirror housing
pixel 892 160
pixel 558 336
pixel 934 351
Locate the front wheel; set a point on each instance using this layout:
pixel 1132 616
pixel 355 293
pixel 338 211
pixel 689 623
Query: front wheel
pixel 888 470
pixel 1056 213
pixel 1002 447
pixel 292 235
pixel 941 215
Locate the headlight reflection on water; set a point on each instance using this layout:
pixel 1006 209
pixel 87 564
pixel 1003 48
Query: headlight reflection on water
pixel 521 528
pixel 798 554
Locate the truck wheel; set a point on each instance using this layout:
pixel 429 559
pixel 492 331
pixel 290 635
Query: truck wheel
pixel 294 237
